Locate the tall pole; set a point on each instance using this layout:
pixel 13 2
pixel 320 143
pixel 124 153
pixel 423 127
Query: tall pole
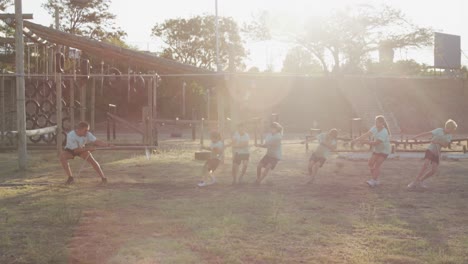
pixel 20 95
pixel 219 88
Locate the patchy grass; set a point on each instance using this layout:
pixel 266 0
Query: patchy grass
pixel 152 212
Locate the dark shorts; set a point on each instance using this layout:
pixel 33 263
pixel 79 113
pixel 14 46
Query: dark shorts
pixel 320 160
pixel 269 160
pixel 431 156
pixel 238 158
pixel 71 152
pixel 212 164
pixel 385 156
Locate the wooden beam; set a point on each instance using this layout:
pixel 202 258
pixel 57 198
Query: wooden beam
pixel 41 131
pixel 106 49
pixel 12 16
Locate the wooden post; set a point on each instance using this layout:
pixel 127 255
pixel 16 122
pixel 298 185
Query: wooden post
pixel 202 131
pixel 93 104
pixel 72 103
pixel 208 104
pixel 20 90
pixel 83 101
pixel 2 109
pixel 149 116
pixel 194 126
pixel 184 85
pixel 146 121
pixel 102 79
pixel 58 87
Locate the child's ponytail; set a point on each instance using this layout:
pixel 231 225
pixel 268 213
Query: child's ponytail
pixel 381 119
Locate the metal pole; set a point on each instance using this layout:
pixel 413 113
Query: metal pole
pixel 20 90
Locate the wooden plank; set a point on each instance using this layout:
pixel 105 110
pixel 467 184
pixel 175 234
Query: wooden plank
pixel 13 16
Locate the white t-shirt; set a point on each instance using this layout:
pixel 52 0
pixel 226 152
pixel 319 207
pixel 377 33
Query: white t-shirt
pixel 438 137
pixel 273 144
pixel 238 139
pixel 384 137
pixel 74 141
pixel 217 145
pixel 322 151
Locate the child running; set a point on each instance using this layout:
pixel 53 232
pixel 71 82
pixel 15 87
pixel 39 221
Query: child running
pixel 441 137
pixel 274 152
pixel 217 150
pixel 381 148
pixel 240 153
pixel 327 143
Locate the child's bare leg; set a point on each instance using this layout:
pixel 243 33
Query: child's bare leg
pixel 89 157
pixel 313 169
pixel 204 172
pixel 212 176
pixel 376 169
pixel 64 157
pixel 423 170
pixel 259 172
pixel 245 163
pixel 235 170
pixel 371 164
pixel 431 172
pixel 265 172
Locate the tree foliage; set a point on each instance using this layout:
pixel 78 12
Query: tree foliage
pixel 89 18
pixel 193 41
pixel 4 4
pixel 299 60
pixel 344 40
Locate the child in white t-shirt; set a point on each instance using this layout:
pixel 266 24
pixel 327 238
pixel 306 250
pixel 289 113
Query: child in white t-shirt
pixel 380 145
pixel 327 143
pixel 76 146
pixel 240 153
pixel 217 152
pixel 274 152
pixel 441 137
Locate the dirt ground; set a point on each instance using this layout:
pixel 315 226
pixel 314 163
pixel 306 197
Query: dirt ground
pixel 151 211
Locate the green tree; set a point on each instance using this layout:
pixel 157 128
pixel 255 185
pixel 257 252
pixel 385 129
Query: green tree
pixel 299 60
pixel 4 4
pixel 193 41
pixel 89 18
pixel 343 41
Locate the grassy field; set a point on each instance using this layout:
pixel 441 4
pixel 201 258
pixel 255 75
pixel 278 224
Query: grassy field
pixel 152 212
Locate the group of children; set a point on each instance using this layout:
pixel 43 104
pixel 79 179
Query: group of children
pixel 241 154
pixel 380 143
pixel 381 148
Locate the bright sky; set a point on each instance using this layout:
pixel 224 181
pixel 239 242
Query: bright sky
pixel 137 17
